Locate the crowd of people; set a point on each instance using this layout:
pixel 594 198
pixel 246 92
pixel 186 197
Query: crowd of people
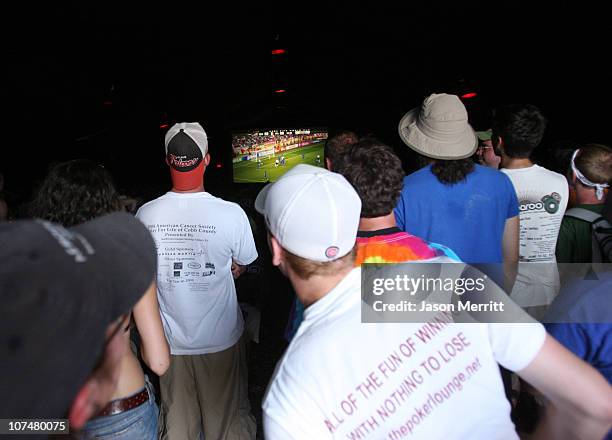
pixel 101 305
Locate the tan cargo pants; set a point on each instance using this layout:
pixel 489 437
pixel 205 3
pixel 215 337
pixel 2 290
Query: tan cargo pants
pixel 207 393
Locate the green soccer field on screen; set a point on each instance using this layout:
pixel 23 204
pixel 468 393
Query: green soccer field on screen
pixel 265 155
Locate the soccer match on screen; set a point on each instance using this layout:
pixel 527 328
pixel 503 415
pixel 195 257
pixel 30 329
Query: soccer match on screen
pixel 265 155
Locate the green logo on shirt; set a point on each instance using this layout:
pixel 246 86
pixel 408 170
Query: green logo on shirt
pixel 551 202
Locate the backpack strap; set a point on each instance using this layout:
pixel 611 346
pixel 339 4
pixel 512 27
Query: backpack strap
pixel 602 241
pixel 583 214
pixel 600 233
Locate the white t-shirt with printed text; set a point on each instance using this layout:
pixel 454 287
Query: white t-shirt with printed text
pixel 197 236
pixel 344 379
pixel 543 197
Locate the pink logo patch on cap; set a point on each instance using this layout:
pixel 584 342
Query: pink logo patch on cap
pixel 332 251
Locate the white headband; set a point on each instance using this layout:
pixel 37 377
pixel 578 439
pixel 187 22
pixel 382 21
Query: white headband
pixel 599 186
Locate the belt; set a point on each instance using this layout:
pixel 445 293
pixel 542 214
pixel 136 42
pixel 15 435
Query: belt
pixel 121 405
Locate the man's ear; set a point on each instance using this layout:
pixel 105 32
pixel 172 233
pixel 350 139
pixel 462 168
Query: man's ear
pixel 207 159
pixel 277 251
pixel 498 144
pixel 573 179
pixel 328 164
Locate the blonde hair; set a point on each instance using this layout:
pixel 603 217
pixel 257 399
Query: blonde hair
pixel 305 268
pixel 595 162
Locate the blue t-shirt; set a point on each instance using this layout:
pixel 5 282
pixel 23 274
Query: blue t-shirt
pixel 580 318
pixel 468 216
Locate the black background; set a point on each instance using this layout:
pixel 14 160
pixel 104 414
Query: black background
pixel 97 79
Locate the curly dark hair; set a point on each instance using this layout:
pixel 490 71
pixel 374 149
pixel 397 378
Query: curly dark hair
pixel 450 172
pixel 74 192
pixel 521 128
pixel 376 174
pixel 337 144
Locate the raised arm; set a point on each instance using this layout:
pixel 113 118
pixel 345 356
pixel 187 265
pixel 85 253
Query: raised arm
pixel 154 346
pixel 580 399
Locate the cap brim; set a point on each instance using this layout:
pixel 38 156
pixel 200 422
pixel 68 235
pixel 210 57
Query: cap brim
pixel 484 135
pixel 260 200
pixel 121 241
pixel 465 146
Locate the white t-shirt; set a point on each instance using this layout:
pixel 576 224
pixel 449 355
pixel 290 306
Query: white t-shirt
pixel 343 379
pixel 197 236
pixel 543 196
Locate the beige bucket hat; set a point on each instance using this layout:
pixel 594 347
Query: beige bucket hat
pixel 439 128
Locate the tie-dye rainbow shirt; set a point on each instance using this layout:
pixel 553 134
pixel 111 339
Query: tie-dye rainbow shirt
pixel 392 245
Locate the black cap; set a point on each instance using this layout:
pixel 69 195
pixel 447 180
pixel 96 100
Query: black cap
pixel 59 290
pixel 183 153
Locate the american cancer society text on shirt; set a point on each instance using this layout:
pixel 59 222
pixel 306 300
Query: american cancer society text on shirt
pixel 183 254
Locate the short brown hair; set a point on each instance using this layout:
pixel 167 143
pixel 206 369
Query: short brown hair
pixel 305 268
pixel 595 162
pixel 337 145
pixel 377 175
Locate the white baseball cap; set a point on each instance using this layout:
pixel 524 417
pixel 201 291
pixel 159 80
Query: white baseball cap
pixel 312 212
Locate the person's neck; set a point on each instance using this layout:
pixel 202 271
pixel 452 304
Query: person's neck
pixel 513 163
pixel 587 196
pixel 194 190
pixel 377 223
pixel 317 286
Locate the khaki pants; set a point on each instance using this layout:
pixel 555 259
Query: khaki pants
pixel 207 393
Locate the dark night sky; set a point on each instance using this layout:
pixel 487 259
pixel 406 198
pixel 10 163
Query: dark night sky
pixel 348 65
